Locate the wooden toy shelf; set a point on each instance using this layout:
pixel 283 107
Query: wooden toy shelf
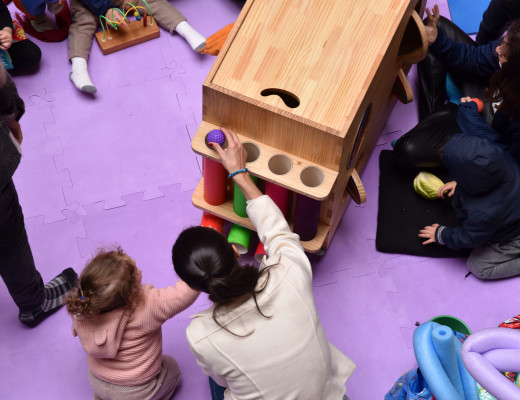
pixel 260 167
pixel 310 84
pixel 226 212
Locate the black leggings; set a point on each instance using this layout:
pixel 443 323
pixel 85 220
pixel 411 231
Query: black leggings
pixel 17 268
pixel 421 146
pixel 24 54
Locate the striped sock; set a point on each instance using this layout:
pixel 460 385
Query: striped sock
pixel 55 293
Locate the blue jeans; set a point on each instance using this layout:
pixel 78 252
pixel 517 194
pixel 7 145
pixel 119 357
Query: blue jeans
pixel 217 391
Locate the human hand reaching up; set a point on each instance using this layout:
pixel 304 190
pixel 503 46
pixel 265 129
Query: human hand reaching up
pixel 234 159
pixel 431 25
pixel 234 156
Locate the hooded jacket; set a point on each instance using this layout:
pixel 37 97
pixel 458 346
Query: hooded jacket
pixel 487 196
pixel 126 349
pixel 479 62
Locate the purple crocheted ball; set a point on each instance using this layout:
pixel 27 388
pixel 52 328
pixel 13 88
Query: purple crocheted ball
pixel 215 136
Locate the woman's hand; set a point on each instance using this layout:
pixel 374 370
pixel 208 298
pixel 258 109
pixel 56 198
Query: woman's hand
pixel 234 157
pixel 447 187
pixel 428 232
pixel 431 24
pixel 6 38
pixel 113 14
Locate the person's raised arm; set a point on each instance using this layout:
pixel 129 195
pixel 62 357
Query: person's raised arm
pixel 273 230
pixel 431 24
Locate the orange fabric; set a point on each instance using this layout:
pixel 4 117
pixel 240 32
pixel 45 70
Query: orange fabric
pixel 215 42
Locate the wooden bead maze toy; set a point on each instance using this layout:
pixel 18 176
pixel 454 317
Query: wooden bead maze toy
pixel 308 86
pixel 143 28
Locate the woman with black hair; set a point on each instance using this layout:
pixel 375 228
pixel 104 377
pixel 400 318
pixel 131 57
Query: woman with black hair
pixel 262 338
pixel 490 72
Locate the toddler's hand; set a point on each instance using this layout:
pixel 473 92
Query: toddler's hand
pixel 428 232
pixel 6 38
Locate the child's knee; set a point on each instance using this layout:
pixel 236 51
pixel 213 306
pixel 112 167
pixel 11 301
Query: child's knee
pixel 478 268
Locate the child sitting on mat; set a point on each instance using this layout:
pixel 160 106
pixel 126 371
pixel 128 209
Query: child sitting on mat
pixel 118 321
pixel 85 20
pixel 486 194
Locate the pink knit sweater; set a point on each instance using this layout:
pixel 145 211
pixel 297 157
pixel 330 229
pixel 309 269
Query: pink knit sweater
pixel 127 349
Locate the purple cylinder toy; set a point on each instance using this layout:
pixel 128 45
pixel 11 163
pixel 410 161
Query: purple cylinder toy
pixel 306 217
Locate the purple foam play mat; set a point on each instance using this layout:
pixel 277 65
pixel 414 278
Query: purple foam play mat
pixel 117 168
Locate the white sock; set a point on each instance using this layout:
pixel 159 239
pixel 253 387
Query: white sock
pixel 194 38
pixel 79 75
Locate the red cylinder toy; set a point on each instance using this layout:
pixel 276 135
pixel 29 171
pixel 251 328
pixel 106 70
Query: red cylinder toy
pixel 212 221
pixel 215 175
pixel 279 195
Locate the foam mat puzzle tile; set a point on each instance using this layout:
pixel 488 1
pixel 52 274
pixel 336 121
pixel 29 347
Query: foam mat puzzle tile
pixel 145 229
pixel 431 288
pixel 53 256
pixel 37 175
pixel 359 321
pixel 134 150
pixel 33 123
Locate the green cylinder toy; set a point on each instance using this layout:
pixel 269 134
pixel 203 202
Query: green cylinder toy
pixel 240 237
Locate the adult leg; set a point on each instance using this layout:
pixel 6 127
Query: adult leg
pixel 421 146
pixel 34 300
pixel 496 260
pixel 17 268
pixel 24 54
pixel 81 34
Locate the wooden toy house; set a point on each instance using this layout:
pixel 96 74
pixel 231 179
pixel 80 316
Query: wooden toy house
pixel 308 85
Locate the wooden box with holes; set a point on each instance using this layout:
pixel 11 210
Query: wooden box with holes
pixel 308 86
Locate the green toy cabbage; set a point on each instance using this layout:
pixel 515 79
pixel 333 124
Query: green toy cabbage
pixel 427 185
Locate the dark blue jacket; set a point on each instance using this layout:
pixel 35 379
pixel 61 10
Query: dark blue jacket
pixel 487 196
pixel 98 7
pixel 481 62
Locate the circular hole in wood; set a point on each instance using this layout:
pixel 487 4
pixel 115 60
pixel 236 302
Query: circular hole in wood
pixel 312 176
pixel 279 164
pixel 253 151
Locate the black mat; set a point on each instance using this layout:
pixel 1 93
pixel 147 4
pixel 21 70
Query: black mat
pixel 402 212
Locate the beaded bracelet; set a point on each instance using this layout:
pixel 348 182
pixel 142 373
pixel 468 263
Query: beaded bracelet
pixel 231 175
